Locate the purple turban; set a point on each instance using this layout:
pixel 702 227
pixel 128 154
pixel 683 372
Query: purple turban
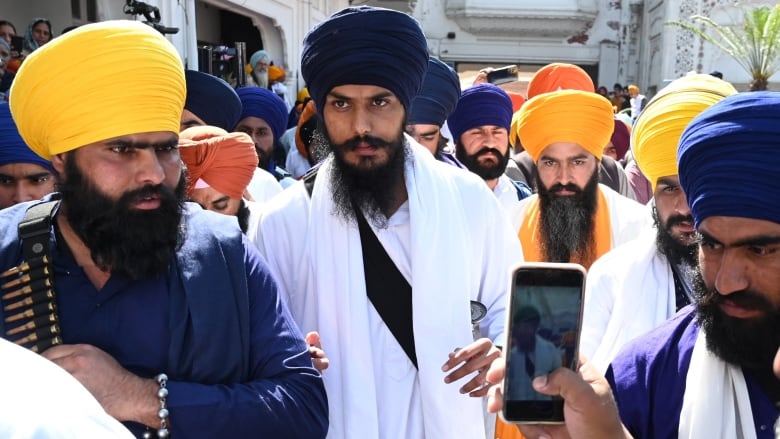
pixel 12 146
pixel 729 156
pixel 266 105
pixel 438 97
pixel 483 104
pixel 621 138
pixel 212 99
pixel 365 46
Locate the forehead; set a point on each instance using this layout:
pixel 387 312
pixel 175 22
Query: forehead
pixel 564 151
pixel 730 229
pixel 253 122
pixel 420 128
pixel 206 195
pixel 22 169
pixel 355 91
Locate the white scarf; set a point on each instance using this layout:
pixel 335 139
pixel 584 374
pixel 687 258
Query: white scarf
pixel 440 303
pixel 716 401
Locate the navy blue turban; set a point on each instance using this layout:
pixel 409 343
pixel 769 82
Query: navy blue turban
pixel 212 99
pixel 264 104
pixel 12 146
pixel 729 156
pixel 438 96
pixel 483 104
pixel 365 46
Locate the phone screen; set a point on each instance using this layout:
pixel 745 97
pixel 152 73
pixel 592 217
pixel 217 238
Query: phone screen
pixel 544 326
pixel 503 75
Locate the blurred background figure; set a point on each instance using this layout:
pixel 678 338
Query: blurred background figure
pixel 38 33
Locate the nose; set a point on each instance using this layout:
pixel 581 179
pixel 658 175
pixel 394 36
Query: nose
pixel 149 170
pixel 564 175
pixel 361 122
pixel 21 193
pixel 731 275
pixel 681 204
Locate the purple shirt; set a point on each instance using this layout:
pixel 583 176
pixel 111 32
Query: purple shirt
pixel 648 381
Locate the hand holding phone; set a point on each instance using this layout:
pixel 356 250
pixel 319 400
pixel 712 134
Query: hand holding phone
pixel 502 75
pixel 544 323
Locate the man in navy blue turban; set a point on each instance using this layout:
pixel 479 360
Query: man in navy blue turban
pixel 24 175
pixel 264 118
pixel 431 107
pixel 480 130
pixel 708 371
pixel 210 101
pixel 371 249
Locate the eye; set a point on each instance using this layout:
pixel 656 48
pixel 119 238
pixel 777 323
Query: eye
pixel 548 163
pixel 6 180
pixel 709 245
pixel 166 148
pixel 121 149
pixel 339 104
pixel 579 162
pixel 381 102
pixel 762 250
pixel 671 189
pixel 41 179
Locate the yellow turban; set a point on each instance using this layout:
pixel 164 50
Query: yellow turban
pixel 657 131
pixel 574 116
pixel 97 82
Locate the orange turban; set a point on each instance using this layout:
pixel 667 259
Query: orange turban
pixel 226 161
pixel 659 127
pixel 517 100
pixel 275 73
pixel 574 116
pixel 309 111
pixel 97 82
pixel 559 76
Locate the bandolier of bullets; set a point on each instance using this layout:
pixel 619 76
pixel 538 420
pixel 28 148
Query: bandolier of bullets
pixel 30 305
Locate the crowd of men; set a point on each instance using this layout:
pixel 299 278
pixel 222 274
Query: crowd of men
pixel 173 279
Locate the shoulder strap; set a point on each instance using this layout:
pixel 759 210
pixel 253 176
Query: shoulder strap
pixel 28 297
pixel 387 289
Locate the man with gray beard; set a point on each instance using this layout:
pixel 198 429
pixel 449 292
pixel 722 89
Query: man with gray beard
pixel 366 252
pixel 572 218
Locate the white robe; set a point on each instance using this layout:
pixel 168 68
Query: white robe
pixel 629 291
pixel 42 400
pixel 627 217
pixel 506 193
pixel 263 186
pixel 455 246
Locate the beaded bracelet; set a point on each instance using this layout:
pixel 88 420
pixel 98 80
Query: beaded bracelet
pixel 162 393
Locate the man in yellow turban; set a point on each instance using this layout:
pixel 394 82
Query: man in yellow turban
pixel 163 311
pixel 656 269
pixel 572 218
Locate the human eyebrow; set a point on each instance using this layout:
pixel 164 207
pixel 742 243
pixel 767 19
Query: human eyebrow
pixel 428 133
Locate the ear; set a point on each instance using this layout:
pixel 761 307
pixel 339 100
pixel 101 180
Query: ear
pixel 58 162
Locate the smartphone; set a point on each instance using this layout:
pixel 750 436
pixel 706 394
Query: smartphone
pixel 503 75
pixel 543 331
pixel 17 44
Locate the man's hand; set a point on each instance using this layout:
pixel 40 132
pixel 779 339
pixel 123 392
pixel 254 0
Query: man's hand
pixel 123 395
pixel 476 357
pixel 318 358
pixel 589 407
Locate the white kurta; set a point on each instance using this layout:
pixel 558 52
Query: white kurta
pixel 452 243
pixel 627 217
pixel 629 291
pixel 42 400
pixel 263 186
pixel 506 193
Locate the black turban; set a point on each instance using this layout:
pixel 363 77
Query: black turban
pixel 212 99
pixel 365 46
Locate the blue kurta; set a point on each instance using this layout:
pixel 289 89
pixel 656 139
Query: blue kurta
pixel 237 363
pixel 648 381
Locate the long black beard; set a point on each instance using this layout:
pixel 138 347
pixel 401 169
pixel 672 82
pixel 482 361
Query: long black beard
pixel 373 190
pixel 243 216
pixel 472 164
pixel 567 222
pixel 669 246
pixel 128 242
pixel 750 343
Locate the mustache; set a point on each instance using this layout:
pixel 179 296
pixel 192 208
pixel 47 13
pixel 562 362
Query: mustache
pixel 746 299
pixel 148 191
pixel 571 187
pixel 678 219
pixel 374 142
pixel 489 150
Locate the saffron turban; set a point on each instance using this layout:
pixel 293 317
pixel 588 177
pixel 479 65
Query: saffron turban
pixel 657 130
pixel 365 46
pixel 226 161
pixel 633 88
pixel 97 82
pixel 480 105
pixel 212 99
pixel 621 138
pixel 574 116
pixel 559 76
pixel 517 100
pixel 304 132
pixel 12 146
pixel 275 73
pixel 438 96
pixel 257 56
pixel 264 104
pixel 729 156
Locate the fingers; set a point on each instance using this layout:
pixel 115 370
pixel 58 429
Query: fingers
pixel 460 355
pixel 313 339
pixel 479 361
pixel 495 398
